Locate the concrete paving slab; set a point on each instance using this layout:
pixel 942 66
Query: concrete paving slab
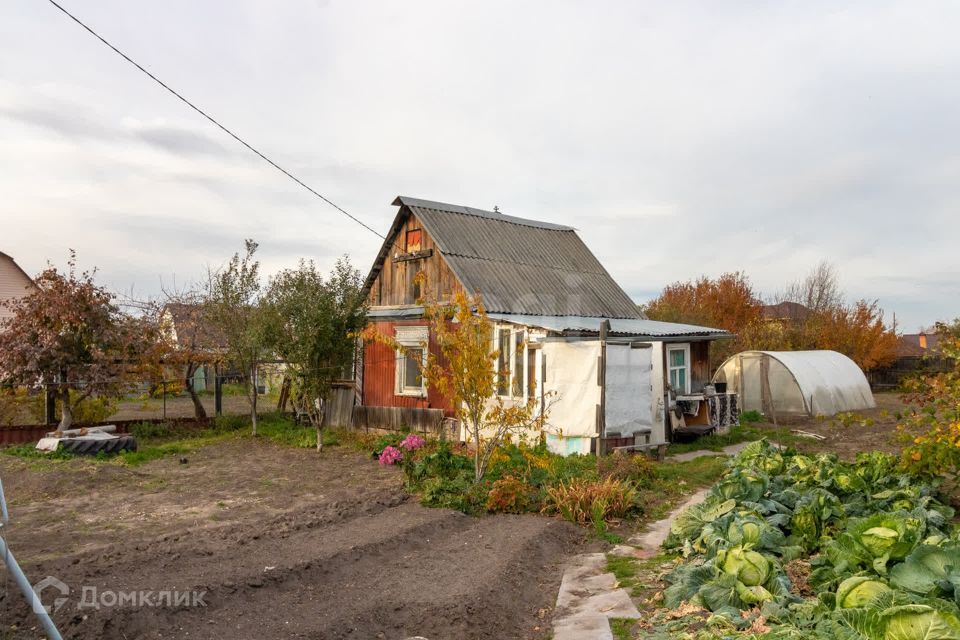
pixel 583 628
pixel 575 589
pixel 653 537
pixel 615 603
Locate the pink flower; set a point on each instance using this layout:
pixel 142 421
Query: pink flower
pixel 390 455
pixel 412 442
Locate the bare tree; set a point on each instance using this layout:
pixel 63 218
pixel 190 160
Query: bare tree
pixel 819 291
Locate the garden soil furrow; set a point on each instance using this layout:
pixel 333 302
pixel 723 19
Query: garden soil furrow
pixel 285 543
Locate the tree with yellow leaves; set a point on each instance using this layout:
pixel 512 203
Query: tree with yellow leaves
pixel 464 370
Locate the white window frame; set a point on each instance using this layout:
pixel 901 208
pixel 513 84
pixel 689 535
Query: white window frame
pixel 685 348
pixel 512 361
pixel 416 337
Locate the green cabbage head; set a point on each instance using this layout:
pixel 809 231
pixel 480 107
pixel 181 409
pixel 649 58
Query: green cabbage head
pixel 858 591
pixel 879 539
pixel 919 622
pixel 750 567
pixel 746 532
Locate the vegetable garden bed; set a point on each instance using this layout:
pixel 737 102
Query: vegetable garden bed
pixel 795 546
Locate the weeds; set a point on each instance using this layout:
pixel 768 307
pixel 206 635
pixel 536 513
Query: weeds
pixel 585 501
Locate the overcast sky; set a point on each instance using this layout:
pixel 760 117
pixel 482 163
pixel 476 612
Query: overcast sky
pixel 681 138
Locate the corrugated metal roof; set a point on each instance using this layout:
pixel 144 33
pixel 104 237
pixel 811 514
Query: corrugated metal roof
pixel 519 265
pixel 634 327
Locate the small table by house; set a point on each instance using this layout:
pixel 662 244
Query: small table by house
pixel 708 413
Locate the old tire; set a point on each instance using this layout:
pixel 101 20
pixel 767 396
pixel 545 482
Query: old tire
pixel 90 447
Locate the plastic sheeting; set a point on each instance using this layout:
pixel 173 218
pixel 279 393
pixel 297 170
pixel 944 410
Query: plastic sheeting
pixel 801 382
pixel 629 401
pixel 571 376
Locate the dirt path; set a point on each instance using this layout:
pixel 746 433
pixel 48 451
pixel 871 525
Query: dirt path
pixel 283 544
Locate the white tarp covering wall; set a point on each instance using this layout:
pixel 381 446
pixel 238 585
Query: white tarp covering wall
pixel 800 382
pixel 571 376
pixel 629 395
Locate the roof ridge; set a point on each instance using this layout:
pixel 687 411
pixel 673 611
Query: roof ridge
pixel 527 264
pixel 480 213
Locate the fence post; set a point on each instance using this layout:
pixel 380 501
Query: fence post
pixel 50 405
pixel 163 384
pixel 218 394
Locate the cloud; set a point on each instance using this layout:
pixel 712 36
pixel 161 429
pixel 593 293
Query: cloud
pixel 60 118
pixel 681 138
pixel 177 140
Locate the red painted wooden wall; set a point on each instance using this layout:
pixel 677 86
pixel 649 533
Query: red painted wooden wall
pixel 379 371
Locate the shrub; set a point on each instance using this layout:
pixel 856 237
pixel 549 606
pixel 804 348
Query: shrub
pixel 443 463
pixel 384 441
pixel 231 423
pixel 621 465
pixel 150 430
pixel 750 417
pixel 591 501
pixel 12 401
pixel 88 410
pixel 460 493
pixel 532 464
pixel 510 495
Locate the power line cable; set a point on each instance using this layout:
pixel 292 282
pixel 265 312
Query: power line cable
pixel 211 119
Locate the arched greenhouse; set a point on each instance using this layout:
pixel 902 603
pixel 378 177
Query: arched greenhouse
pixel 796 382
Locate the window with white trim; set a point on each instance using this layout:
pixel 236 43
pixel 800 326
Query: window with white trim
pixel 411 361
pixel 678 367
pixel 513 369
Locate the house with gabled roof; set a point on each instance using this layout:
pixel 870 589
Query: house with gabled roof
pixel 14 284
pixel 564 328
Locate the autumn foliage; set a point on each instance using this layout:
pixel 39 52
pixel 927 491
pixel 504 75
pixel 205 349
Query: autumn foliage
pixel 729 302
pixel 464 370
pixel 931 426
pixel 67 333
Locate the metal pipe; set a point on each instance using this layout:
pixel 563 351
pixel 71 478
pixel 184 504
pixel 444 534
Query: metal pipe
pixel 18 576
pixel 21 579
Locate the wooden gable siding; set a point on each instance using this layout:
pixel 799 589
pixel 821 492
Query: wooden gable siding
pixel 379 373
pixel 14 284
pixel 394 283
pixel 699 364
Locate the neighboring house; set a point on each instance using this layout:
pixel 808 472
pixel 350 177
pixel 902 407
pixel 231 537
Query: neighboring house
pixel 14 284
pixel 188 330
pixel 916 353
pixel 549 298
pixel 915 346
pixel 785 312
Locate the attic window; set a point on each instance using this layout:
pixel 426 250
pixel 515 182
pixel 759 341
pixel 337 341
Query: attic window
pixel 414 240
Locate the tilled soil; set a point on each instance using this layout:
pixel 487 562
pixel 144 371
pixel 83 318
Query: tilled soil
pixel 866 430
pixel 285 544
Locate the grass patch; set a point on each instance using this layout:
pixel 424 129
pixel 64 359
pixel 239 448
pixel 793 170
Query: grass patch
pixel 737 434
pixel 674 481
pixel 282 430
pixel 154 441
pixel 623 567
pixel 716 442
pixel 622 628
